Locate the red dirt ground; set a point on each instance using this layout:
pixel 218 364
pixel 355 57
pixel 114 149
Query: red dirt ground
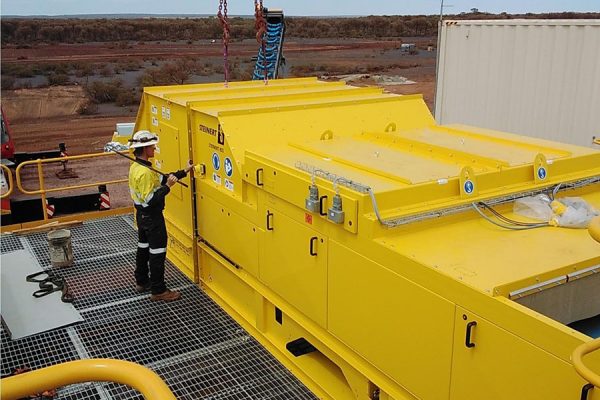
pixel 107 51
pixel 82 135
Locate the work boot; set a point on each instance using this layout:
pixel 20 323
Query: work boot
pixel 167 295
pixel 143 288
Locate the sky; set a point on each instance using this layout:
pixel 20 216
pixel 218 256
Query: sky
pixel 292 7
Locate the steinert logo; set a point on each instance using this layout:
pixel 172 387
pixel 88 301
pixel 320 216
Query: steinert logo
pixel 210 131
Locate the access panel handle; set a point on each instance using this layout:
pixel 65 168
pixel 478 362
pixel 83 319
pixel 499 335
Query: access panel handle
pixel 313 248
pixel 269 220
pixel 468 341
pixel 322 207
pixel 259 173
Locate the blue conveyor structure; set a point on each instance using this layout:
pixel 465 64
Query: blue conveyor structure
pixel 273 46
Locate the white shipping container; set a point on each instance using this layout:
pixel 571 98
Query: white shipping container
pixel 539 78
pixel 125 128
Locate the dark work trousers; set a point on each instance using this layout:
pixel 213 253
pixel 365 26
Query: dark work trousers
pixel 151 251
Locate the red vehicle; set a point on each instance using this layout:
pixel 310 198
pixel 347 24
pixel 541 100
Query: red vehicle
pixel 8 146
pixel 8 153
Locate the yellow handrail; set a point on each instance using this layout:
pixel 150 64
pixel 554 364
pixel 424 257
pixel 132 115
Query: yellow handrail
pixel 42 190
pixel 10 181
pixel 39 162
pixel 145 381
pixel 586 373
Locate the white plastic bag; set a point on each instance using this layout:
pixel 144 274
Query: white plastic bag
pixel 567 212
pixel 534 207
pixel 115 146
pixel 572 212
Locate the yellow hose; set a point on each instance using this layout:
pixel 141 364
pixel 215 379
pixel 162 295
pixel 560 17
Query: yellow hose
pixel 594 228
pixel 586 373
pixel 145 381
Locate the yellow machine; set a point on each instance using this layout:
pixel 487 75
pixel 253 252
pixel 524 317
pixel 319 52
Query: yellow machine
pixel 352 237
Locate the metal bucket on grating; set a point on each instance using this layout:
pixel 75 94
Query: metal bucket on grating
pixel 61 251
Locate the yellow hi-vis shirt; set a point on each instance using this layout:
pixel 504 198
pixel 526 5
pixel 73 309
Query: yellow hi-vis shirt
pixel 143 184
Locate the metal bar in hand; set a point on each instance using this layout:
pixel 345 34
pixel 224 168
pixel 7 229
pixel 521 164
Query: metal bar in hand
pixel 149 167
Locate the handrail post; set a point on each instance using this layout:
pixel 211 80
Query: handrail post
pixel 42 190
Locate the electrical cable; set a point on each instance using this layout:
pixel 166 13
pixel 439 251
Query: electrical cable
pixel 508 220
pixel 512 227
pixel 555 190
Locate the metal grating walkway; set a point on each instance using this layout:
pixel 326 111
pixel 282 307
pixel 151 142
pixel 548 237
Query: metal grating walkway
pixel 198 350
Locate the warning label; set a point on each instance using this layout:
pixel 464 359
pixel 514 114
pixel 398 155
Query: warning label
pixel 216 178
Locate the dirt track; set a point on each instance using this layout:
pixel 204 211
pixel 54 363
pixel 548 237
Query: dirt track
pixel 82 134
pixel 107 51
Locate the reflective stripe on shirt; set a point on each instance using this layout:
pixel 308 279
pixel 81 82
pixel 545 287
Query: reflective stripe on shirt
pixel 143 183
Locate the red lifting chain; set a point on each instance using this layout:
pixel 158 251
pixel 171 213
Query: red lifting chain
pixel 222 15
pixel 261 29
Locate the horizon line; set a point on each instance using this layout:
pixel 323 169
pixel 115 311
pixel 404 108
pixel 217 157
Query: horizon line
pixel 252 15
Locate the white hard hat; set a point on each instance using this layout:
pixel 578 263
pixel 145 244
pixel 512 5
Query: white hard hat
pixel 143 139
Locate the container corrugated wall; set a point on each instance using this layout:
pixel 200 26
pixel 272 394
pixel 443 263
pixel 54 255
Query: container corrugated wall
pixel 539 78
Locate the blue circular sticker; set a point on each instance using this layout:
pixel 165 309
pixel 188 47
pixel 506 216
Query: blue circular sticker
pixel 542 173
pixel 469 187
pixel 228 165
pixel 216 161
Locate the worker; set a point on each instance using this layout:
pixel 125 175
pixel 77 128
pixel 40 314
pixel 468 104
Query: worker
pixel 148 191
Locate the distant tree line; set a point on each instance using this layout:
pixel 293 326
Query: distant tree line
pixel 29 31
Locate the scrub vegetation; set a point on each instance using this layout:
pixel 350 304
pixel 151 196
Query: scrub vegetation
pixel 25 32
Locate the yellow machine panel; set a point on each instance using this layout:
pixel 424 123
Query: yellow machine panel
pixel 501 372
pixel 296 273
pixel 376 254
pixel 397 318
